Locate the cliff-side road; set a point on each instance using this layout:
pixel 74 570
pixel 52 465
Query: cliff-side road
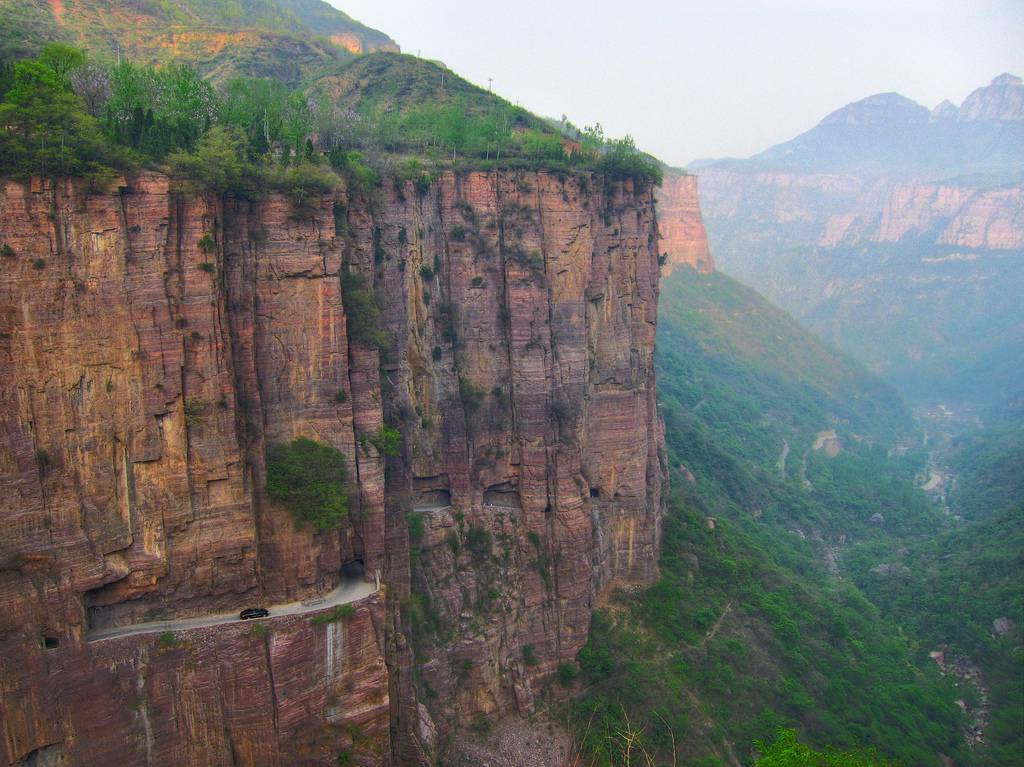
pixel 348 591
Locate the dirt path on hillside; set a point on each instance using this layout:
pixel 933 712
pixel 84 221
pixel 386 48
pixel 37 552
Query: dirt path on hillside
pixel 717 625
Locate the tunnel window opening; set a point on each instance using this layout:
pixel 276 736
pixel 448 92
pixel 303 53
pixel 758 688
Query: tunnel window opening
pixel 50 643
pixel 504 495
pixel 547 509
pixel 595 492
pixel 439 498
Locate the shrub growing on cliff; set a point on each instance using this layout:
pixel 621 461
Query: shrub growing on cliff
pixel 530 655
pixel 167 639
pixel 417 527
pixel 388 441
pixel 304 185
pixel 362 312
pixel 195 408
pixel 478 541
pixel 308 478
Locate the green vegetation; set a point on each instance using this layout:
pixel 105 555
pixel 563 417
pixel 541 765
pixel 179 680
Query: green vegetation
pixel 334 615
pixel 362 312
pixel 195 410
pixel 47 130
pixel 951 586
pixel 400 105
pixel 791 648
pixel 787 751
pixel 388 441
pixel 167 639
pixel 417 528
pixel 68 115
pixel 530 655
pixel 987 465
pixel 259 630
pixel 309 479
pixel 478 542
pixel 748 627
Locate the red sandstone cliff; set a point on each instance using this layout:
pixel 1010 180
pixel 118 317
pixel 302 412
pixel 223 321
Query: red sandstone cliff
pixel 142 376
pixel 683 237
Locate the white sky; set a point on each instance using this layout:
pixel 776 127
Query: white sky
pixel 710 78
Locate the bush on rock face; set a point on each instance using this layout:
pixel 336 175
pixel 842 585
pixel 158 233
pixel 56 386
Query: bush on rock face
pixel 309 479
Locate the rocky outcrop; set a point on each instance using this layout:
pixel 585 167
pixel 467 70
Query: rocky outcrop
pixel 684 241
pixel 154 342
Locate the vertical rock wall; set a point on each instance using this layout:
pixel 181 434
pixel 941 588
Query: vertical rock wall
pixel 684 240
pixel 523 309
pixel 153 343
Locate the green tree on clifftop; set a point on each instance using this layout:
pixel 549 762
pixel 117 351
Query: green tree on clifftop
pixel 46 128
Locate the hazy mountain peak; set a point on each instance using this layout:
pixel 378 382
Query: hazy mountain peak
pixel 1007 79
pixel 944 110
pixel 1003 99
pixel 879 109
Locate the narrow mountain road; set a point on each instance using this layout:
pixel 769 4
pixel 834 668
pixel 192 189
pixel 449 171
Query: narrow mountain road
pixel 718 624
pixel 348 591
pixel 782 459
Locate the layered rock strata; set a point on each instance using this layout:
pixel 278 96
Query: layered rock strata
pixel 154 342
pixel 684 240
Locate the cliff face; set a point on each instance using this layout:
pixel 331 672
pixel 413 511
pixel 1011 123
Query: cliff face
pixel 683 237
pixel 794 209
pixel 154 343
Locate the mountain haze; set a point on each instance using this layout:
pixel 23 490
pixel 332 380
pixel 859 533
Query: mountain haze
pixel 894 231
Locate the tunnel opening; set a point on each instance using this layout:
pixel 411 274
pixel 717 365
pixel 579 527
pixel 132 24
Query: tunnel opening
pixel 50 642
pixel 353 569
pixel 595 492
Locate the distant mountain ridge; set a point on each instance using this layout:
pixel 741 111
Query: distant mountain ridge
pixel 894 231
pixel 290 40
pixel 887 134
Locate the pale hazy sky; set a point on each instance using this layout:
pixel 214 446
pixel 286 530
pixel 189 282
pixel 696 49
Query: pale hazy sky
pixel 710 78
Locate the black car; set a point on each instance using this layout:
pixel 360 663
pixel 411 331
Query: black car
pixel 253 612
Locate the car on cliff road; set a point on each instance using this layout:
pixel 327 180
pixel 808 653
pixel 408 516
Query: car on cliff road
pixel 253 612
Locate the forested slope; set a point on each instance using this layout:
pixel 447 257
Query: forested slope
pixel 754 625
